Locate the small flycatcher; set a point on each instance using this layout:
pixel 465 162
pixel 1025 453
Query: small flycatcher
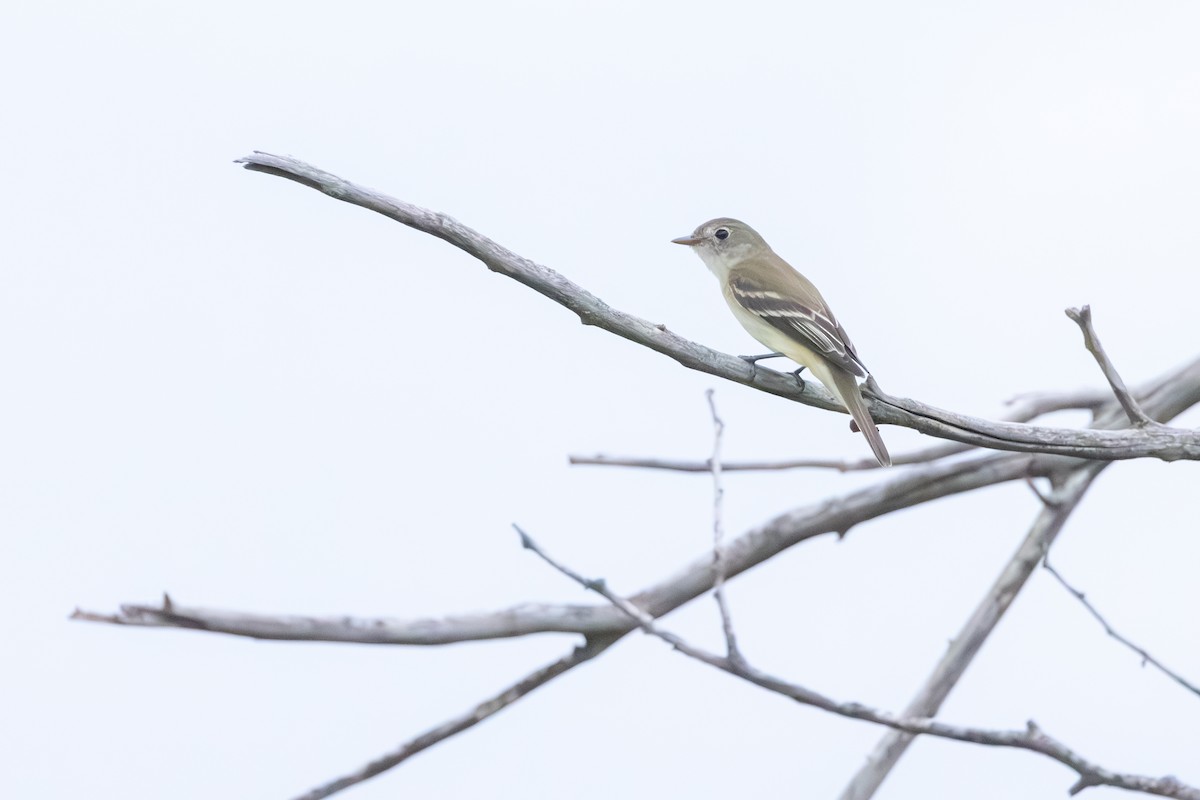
pixel 782 309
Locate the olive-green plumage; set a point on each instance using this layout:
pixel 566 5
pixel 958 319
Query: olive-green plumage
pixel 782 309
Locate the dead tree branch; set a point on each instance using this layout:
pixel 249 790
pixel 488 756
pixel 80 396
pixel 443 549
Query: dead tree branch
pixel 1111 631
pixel 719 531
pixel 965 646
pixel 1056 509
pixel 1164 443
pixel 836 515
pixel 1083 318
pixel 1024 409
pixel 1032 738
pixel 1164 399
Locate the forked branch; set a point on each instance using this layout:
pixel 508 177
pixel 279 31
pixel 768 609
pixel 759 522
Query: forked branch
pixel 1032 738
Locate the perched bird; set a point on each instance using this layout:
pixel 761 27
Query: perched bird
pixel 782 309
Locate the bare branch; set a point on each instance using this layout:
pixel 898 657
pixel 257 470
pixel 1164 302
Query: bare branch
pixel 677 465
pixel 521 620
pixel 836 515
pixel 1146 657
pixel 849 465
pixel 1167 444
pixel 605 624
pixel 1165 398
pixel 983 621
pixel 1173 394
pixel 486 709
pixel 1032 738
pixel 1083 318
pixel 719 532
pixel 1030 405
pixel 1024 408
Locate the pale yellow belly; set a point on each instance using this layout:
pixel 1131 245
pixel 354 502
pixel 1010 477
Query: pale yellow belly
pixel 780 342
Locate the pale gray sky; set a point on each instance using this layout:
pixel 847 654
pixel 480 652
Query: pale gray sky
pixel 232 388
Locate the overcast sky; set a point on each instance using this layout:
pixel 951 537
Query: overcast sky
pixel 232 388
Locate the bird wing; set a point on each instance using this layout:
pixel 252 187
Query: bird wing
pixel 815 328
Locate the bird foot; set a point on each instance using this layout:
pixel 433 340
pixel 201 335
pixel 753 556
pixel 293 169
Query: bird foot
pixel 755 359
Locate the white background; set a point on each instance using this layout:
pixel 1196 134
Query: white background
pixel 230 387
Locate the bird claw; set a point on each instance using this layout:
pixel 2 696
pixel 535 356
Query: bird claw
pixel 799 381
pixel 755 359
pixel 753 362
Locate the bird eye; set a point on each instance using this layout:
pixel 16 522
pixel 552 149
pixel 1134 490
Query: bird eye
pixel 721 233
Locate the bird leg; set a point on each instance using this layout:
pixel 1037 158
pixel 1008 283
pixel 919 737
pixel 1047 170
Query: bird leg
pixel 753 362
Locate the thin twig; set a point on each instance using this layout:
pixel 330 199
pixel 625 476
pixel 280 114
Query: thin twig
pixel 1146 657
pixel 719 532
pixel 1083 318
pixel 1047 499
pixel 1024 408
pixel 680 465
pixel 488 708
pixel 640 617
pixel 1032 738
pixel 965 646
pixel 1158 442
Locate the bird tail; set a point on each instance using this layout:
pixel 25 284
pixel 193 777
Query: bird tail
pixel 847 388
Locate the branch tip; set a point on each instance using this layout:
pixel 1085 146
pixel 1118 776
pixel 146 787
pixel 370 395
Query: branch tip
pixel 1083 318
pixel 526 542
pixel 1081 315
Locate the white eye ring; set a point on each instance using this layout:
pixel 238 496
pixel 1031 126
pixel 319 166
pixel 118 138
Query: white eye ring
pixel 721 233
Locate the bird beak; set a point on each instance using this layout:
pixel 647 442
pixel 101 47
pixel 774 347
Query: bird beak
pixel 688 240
